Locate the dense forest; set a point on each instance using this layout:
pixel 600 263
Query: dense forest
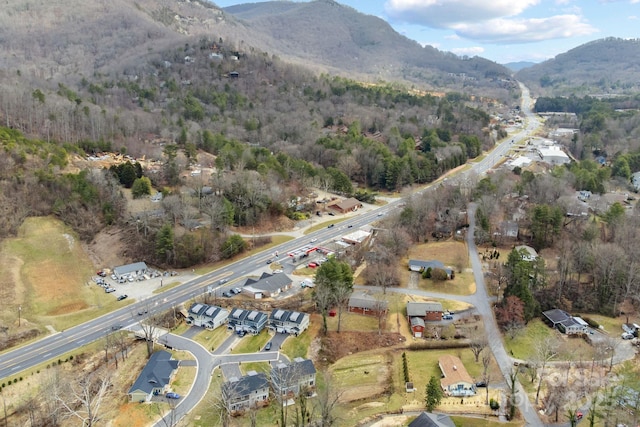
pixel 275 131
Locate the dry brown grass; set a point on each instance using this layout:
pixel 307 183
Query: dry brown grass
pixel 45 271
pixel 450 252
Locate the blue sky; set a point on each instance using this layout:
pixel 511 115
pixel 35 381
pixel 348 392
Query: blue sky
pixel 502 30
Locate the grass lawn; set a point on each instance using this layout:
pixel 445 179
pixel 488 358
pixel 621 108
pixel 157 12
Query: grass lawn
pixel 299 346
pixel 263 367
pixel 251 344
pixel 451 253
pixel 522 346
pixel 481 422
pixel 212 339
pixel 610 325
pixel 166 287
pixel 353 322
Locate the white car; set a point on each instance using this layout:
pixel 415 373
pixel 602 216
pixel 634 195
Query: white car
pixel 627 336
pixel 277 271
pixel 314 240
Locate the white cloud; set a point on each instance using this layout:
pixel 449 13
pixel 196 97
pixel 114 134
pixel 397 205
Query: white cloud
pixel 505 31
pixel 445 13
pixel 469 51
pixel 452 37
pixel 633 17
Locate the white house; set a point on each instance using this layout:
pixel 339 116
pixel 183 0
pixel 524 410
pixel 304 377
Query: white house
pixel 207 316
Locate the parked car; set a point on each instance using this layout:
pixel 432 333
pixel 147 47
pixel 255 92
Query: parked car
pixel 172 395
pixel 481 384
pixel 627 336
pixel 109 290
pixel 237 290
pixel 123 296
pixel 227 294
pixel 332 214
pixel 447 317
pixel 242 333
pixel 579 415
pixel 277 271
pixel 268 346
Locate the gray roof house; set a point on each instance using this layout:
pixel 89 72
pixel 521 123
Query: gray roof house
pixel 431 310
pixel 365 303
pixel 267 285
pixel 288 322
pixel 247 392
pixel 154 378
pixel 289 380
pixel 252 321
pixel 134 270
pixel 207 316
pixel 427 419
pixel 564 322
pixel 418 265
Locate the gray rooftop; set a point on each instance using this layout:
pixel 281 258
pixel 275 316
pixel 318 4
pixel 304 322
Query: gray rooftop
pixel 156 373
pixel 420 309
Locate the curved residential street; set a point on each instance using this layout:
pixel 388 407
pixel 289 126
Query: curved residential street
pixel 491 327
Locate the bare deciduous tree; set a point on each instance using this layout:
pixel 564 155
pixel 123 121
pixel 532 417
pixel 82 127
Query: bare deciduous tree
pixel 83 399
pixel 326 401
pixel 476 346
pixel 545 351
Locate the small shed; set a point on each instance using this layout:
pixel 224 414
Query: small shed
pixel 417 327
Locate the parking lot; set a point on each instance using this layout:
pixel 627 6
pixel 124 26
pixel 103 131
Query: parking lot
pixel 139 289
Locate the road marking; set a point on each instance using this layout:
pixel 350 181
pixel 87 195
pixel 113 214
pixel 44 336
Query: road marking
pixel 47 355
pixel 13 368
pixel 79 341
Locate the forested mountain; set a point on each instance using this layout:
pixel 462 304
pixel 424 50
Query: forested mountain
pixel 166 82
pixel 602 67
pixel 340 38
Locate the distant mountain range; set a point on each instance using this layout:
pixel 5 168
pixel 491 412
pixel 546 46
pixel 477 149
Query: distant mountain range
pixel 341 38
pixel 610 65
pixel 517 66
pixel 71 40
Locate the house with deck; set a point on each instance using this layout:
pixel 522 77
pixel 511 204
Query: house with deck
pixel 455 380
pixel 288 380
pixel 249 391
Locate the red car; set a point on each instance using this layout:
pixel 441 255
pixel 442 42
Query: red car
pixel 312 265
pixel 579 415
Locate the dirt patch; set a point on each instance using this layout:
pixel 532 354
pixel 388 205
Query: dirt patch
pixel 106 249
pixel 335 346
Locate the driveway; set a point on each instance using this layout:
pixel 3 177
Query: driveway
pixel 205 365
